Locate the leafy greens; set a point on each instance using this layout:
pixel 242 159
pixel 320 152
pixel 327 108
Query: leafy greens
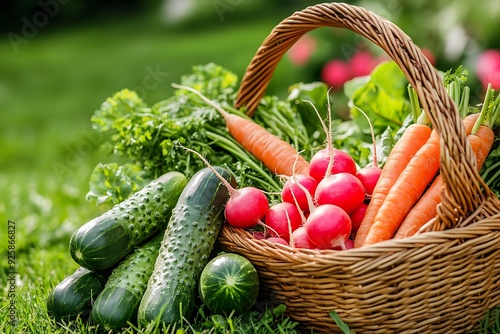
pixel 149 136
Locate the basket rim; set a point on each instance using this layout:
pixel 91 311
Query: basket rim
pixel 479 228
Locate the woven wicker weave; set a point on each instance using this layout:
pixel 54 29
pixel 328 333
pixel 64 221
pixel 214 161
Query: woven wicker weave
pixel 440 281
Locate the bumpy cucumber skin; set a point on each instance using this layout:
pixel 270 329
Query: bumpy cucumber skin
pixel 75 295
pixel 229 283
pixel 190 237
pixel 105 240
pixel 117 304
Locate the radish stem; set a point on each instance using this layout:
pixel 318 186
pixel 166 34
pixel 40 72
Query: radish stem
pixel 375 163
pixel 230 188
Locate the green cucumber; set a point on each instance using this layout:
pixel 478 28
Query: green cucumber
pixel 105 240
pixel 189 239
pixel 118 302
pixel 229 283
pixel 74 296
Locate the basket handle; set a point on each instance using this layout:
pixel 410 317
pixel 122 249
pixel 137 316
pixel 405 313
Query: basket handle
pixel 464 189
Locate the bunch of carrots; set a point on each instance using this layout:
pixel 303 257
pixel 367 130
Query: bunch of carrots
pixel 409 188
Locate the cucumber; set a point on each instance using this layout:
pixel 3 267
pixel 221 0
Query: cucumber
pixel 189 239
pixel 118 302
pixel 102 242
pixel 229 283
pixel 74 296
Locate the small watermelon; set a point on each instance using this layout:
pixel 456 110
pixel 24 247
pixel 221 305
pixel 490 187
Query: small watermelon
pixel 229 282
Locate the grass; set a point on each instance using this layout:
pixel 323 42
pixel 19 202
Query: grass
pixel 48 92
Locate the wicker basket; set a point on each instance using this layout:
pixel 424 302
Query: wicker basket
pixel 440 281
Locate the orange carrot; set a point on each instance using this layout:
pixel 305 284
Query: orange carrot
pixel 276 154
pixel 426 207
pixel 408 188
pixel 414 137
pixel 423 211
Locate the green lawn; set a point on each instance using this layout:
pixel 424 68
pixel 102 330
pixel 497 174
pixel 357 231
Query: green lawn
pixel 48 92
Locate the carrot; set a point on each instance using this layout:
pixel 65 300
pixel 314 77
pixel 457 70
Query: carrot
pixel 276 154
pixel 426 207
pixel 414 137
pixel 403 195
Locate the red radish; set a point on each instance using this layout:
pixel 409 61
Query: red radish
pixel 349 244
pixel 357 217
pixel 300 239
pixel 278 240
pixel 369 175
pixel 292 192
pixel 329 160
pixel 344 190
pixel 342 163
pixel 328 226
pixel 335 73
pixel 282 219
pixel 246 207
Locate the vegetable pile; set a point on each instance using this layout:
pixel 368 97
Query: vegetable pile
pixel 294 174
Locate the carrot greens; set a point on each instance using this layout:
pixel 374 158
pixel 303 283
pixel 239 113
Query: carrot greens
pixel 146 138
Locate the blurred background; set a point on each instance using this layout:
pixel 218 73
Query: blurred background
pixel 60 59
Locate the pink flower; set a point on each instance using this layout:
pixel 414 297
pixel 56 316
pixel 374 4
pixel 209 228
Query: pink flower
pixel 362 63
pixel 335 73
pixel 302 50
pixel 430 56
pixel 488 68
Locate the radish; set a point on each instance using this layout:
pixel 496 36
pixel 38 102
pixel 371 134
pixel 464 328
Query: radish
pixel 300 239
pixel 344 190
pixel 293 193
pixel 329 160
pixel 357 217
pixel 369 175
pixel 278 240
pixel 326 223
pixel 246 207
pixel 328 226
pixel 282 219
pixel 342 163
pixel 349 244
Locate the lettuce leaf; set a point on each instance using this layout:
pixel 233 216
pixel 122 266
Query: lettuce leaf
pixel 382 96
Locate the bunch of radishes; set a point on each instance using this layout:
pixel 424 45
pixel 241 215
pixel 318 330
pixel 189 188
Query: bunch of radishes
pixel 321 210
pixel 318 211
